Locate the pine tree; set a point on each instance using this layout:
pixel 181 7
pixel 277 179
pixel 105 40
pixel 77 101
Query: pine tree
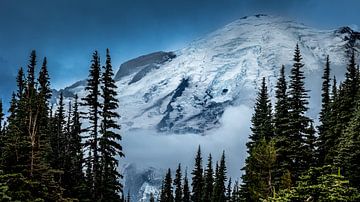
pixel 91 101
pixel 110 147
pixel 77 187
pixel 186 189
pixel 197 178
pixel 323 129
pixel 208 181
pixel 220 179
pixel 299 124
pixel 235 195
pixel 178 185
pixel 349 150
pixel 261 129
pixel 262 118
pixel 228 191
pixel 281 120
pixel 344 108
pixel 320 184
pixel 58 138
pixel 167 191
pixel 260 171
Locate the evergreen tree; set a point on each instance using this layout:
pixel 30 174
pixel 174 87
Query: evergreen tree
pixel 262 118
pixel 261 129
pixel 110 147
pixel 320 184
pixel 220 179
pixel 323 129
pixel 197 178
pixel 281 120
pixel 228 191
pixel 299 124
pixel 58 139
pixel 77 187
pixel 91 101
pixel 178 185
pixel 208 181
pixel 167 191
pixel 349 150
pixel 260 172
pixel 186 189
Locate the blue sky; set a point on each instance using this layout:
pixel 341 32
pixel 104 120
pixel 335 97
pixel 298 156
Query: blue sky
pixel 68 31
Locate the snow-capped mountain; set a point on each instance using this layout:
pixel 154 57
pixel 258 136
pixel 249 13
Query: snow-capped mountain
pixel 188 90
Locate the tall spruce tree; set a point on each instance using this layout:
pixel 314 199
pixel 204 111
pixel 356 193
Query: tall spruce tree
pixel 348 154
pixel 261 129
pixel 197 178
pixel 299 123
pixel 186 189
pixel 167 191
pixel 262 118
pixel 281 129
pixel 110 147
pixel 178 185
pixel 219 184
pixel 91 101
pixel 208 181
pixel 323 128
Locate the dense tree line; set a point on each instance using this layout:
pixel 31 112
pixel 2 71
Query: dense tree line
pixel 48 154
pixel 287 160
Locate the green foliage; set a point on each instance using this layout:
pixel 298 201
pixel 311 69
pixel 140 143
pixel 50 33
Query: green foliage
pixel 220 179
pixel 208 181
pixel 320 184
pixel 167 191
pixel 178 185
pixel 109 142
pixel 186 189
pixel 260 171
pixel 197 178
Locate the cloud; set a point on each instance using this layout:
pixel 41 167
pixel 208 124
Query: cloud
pixel 148 148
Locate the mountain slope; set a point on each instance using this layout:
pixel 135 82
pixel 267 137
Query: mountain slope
pixel 222 69
pixel 188 90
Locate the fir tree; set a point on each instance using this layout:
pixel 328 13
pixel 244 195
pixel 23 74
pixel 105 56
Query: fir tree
pixel 208 181
pixel 260 171
pixel 167 191
pixel 261 129
pixel 178 185
pixel 299 124
pixel 110 147
pixel 91 101
pixel 262 118
pixel 349 150
pixel 186 189
pixel 323 129
pixel 228 191
pixel 197 178
pixel 220 179
pixel 281 120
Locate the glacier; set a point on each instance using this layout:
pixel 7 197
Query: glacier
pixel 187 91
